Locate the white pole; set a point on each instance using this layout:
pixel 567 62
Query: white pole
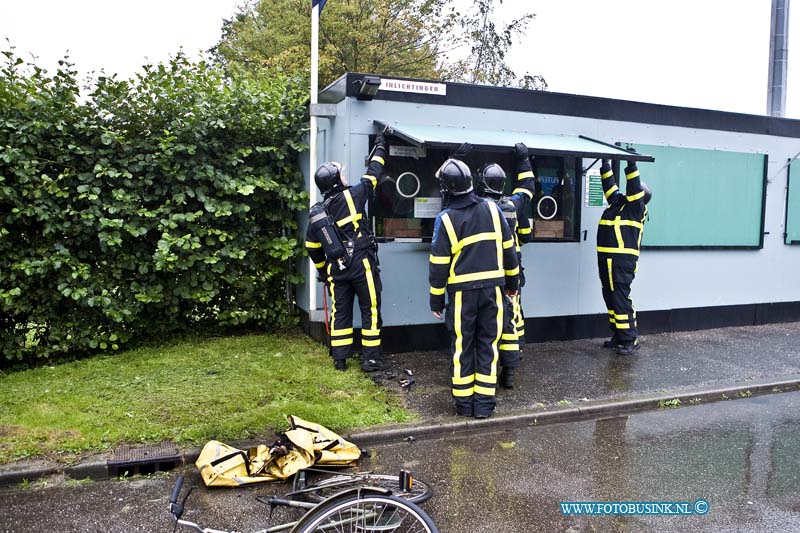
pixel 312 149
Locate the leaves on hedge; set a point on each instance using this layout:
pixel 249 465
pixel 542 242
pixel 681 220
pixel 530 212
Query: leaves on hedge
pixel 149 207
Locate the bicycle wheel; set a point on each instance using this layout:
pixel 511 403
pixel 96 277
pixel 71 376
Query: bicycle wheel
pixel 420 491
pixel 362 512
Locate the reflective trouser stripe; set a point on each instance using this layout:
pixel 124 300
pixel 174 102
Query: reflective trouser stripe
pixel 365 342
pixel 509 347
pixel 459 347
pixel 342 342
pixel 332 286
pixel 373 299
pixel 489 381
pixel 519 320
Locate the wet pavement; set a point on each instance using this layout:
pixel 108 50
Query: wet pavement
pixel 555 373
pixel 742 456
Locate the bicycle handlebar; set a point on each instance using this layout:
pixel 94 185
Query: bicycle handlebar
pixel 176 490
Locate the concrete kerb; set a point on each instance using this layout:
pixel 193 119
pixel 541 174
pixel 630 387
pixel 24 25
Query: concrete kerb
pixel 97 470
pixel 581 411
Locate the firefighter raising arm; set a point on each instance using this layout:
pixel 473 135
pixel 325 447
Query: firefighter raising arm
pixel 376 163
pixel 524 190
pixel 510 260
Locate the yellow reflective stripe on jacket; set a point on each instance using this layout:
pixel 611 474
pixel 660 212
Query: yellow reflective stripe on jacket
pixel 475 276
pixel 618 232
pixel 634 197
pixel 525 191
pixel 438 292
pixel 607 250
pixel 611 191
pixel 526 174
pixel 609 267
pixel 523 231
pixel 499 240
pixel 312 244
pixel 379 159
pixel 608 174
pixel 372 179
pixel 451 231
pixel 634 174
pixel 439 259
pixel 320 264
pixel 355 216
pixel 508 244
pixel 619 221
pixel 472 239
pixel 512 272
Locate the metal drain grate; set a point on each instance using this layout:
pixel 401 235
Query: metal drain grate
pixel 129 460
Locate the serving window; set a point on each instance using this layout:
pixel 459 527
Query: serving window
pixel 408 199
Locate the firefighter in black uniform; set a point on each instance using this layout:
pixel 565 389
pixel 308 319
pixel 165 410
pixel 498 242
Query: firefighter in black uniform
pixel 344 251
pixel 490 183
pixel 619 239
pixel 473 261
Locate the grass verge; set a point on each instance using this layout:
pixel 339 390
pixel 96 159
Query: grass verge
pixel 188 392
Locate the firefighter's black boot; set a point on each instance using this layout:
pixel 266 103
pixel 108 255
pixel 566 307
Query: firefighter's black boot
pixel 612 343
pixel 340 364
pixel 507 378
pixel 375 365
pixel 628 348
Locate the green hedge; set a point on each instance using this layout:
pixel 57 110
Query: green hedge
pixel 144 208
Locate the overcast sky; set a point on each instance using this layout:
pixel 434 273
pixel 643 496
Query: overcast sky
pixel 697 53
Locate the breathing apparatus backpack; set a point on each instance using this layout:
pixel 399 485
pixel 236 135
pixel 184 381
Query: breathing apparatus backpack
pixel 328 234
pixel 509 211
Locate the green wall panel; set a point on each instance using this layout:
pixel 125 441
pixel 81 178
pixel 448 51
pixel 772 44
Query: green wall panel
pixel 793 204
pixel 703 198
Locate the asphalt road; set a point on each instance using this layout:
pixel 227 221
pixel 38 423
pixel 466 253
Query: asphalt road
pixel 742 456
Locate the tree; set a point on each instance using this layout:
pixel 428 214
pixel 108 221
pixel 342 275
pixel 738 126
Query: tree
pixel 488 47
pixel 376 36
pixel 412 38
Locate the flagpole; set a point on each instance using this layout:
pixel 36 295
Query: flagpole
pixel 312 148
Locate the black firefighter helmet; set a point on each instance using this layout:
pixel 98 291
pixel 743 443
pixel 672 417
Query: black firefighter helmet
pixel 648 193
pixel 328 176
pixel 490 180
pixel 454 177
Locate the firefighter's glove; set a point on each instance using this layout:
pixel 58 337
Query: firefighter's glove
pixel 380 141
pixel 462 151
pixel 520 151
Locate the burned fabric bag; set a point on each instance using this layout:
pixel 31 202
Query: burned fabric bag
pixel 302 445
